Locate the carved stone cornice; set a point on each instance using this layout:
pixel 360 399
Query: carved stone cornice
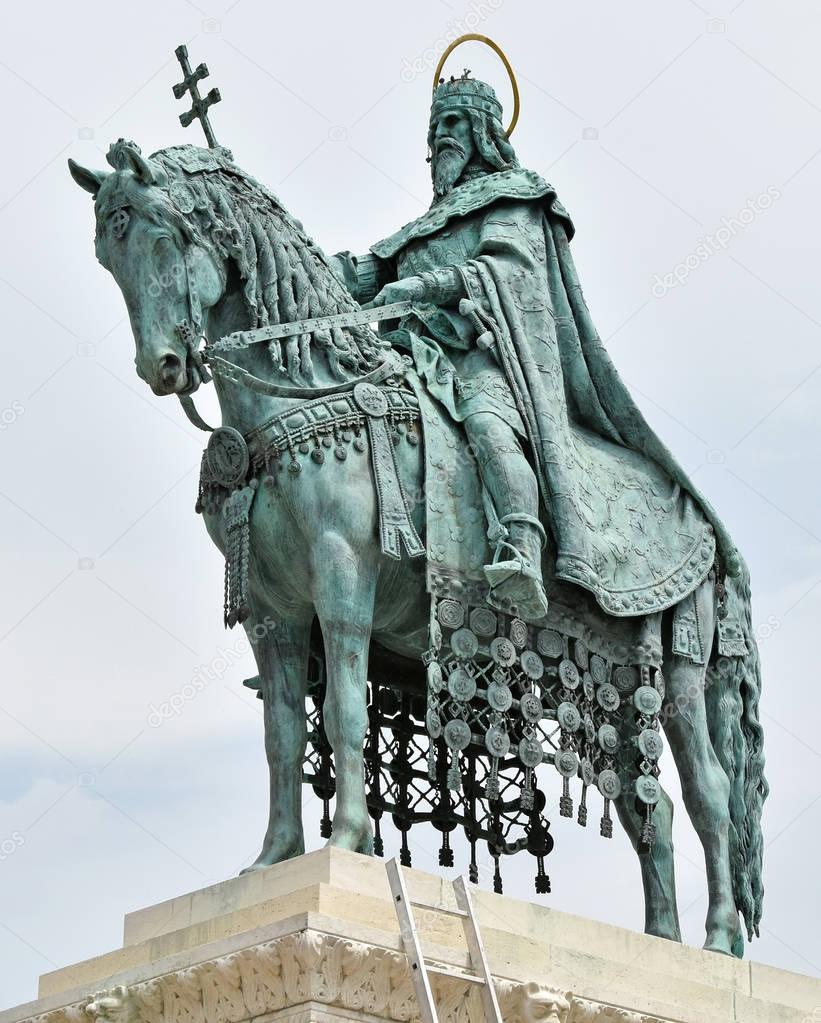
pixel 314 967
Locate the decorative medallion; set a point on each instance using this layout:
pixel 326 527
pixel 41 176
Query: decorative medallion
pixel 609 784
pixel 626 679
pixel 567 763
pixel 434 677
pixel 182 197
pixel 648 789
pixel 518 633
pixel 582 655
pixel 608 739
pixel 371 400
pixel 503 652
pixel 464 643
pixel 461 685
pixel 607 697
pixel 569 674
pixel 531 708
pixel 499 697
pixel 531 753
pixel 550 643
pixel 457 734
pixel 450 613
pixel 483 621
pixel 647 700
pixel 532 664
pixel 651 744
pixel 568 716
pixel 497 741
pixel 433 723
pixel 227 456
pixel 598 668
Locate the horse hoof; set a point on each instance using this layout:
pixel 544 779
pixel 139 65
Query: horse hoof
pixel 271 856
pixel 352 836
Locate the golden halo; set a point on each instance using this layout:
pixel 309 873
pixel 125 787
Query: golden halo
pixel 475 37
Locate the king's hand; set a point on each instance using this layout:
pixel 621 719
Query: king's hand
pixel 411 289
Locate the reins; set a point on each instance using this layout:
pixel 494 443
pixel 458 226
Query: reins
pixel 190 333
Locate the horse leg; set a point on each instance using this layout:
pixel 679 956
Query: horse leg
pixel 345 585
pixel 282 658
pixel 704 785
pixel 657 864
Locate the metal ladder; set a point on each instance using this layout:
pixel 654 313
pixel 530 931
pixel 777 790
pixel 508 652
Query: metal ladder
pixel 420 968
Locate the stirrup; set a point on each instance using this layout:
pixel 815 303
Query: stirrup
pixel 529 520
pixel 520 572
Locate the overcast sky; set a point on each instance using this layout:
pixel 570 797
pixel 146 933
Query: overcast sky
pixel 659 124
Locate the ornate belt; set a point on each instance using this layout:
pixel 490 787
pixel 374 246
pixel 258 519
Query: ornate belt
pixel 232 465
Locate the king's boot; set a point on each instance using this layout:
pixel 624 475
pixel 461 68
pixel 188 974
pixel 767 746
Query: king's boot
pixel 515 574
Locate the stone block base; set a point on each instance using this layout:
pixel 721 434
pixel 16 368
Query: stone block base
pixel 316 940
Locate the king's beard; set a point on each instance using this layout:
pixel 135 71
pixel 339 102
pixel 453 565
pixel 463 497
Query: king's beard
pixel 448 165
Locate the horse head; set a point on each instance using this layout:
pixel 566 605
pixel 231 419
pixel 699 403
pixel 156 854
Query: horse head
pixel 168 273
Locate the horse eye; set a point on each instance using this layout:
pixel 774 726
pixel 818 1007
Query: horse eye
pixel 119 222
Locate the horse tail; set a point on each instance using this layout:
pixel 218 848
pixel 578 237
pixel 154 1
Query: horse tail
pixel 733 693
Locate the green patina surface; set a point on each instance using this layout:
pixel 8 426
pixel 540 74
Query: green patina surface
pixel 472 488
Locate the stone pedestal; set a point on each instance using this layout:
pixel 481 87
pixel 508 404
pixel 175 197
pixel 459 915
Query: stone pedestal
pixel 316 939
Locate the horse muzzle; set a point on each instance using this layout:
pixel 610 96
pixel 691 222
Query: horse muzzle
pixel 171 374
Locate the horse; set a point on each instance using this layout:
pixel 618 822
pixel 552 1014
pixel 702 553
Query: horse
pixel 198 246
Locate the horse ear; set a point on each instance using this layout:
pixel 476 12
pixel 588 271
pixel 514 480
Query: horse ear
pixel 90 180
pixel 143 169
pixel 126 155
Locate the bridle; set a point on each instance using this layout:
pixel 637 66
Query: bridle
pixel 190 333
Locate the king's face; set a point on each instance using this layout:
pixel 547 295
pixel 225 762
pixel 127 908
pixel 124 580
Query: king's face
pixel 453 149
pixel 453 126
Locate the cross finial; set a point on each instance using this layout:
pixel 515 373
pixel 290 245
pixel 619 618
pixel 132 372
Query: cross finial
pixel 199 104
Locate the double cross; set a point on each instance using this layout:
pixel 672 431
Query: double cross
pixel 199 104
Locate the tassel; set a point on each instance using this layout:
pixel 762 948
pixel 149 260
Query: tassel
pixel 565 802
pixel 237 541
pixel 325 825
pixel 454 774
pixel 542 882
pixel 606 824
pixel 473 868
pixel 492 784
pixel 445 853
pixel 648 830
pixel 582 817
pixel 378 845
pixel 527 798
pixel 497 877
pixel 404 852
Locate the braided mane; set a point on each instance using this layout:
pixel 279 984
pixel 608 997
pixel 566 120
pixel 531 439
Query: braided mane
pixel 285 275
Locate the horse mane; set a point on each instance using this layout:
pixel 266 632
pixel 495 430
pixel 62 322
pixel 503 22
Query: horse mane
pixel 285 275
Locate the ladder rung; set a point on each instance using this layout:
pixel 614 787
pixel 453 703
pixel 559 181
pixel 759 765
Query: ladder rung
pixel 421 967
pixel 438 909
pixel 443 971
